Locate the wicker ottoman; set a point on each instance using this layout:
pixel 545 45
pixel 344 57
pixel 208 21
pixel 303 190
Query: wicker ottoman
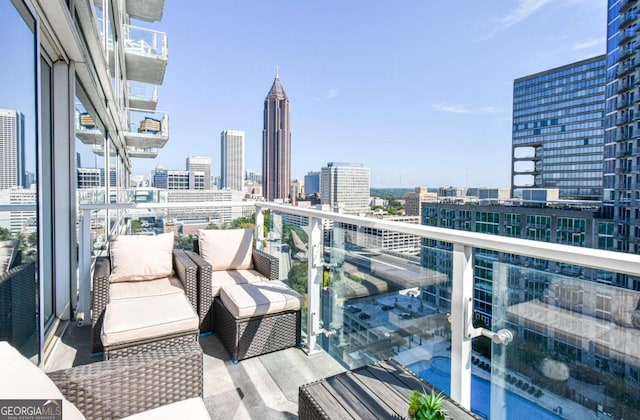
pixel 258 318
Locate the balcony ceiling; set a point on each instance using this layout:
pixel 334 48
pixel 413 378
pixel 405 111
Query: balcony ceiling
pixel 141 103
pixel 145 69
pixel 147 10
pixel 143 140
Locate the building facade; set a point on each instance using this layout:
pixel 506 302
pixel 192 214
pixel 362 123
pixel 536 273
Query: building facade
pixel 621 198
pixel 346 184
pixel 232 168
pixel 413 200
pixel 201 165
pixel 12 154
pixel 558 134
pixel 312 183
pixel 276 144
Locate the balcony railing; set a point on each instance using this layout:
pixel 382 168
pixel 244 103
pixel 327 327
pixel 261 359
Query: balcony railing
pixel 143 96
pixel 146 54
pixel 147 129
pixel 367 300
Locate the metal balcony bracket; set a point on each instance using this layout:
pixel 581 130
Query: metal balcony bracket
pixel 502 336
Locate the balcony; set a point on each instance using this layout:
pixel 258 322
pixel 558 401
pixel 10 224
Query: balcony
pixel 87 130
pixel 626 52
pixel 366 302
pixel 147 10
pixel 146 55
pixel 627 36
pixel 627 19
pixel 146 153
pixel 142 96
pixel 627 4
pixel 625 103
pixel 146 129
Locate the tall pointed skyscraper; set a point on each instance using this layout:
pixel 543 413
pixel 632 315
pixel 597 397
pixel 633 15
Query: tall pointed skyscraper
pixel 276 144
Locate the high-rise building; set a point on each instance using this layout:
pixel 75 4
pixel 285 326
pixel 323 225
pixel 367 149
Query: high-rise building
pixel 90 177
pixel 621 198
pixel 232 160
pixel 557 139
pixel 312 183
pixel 413 200
pixel 276 144
pixel 12 159
pixel 347 184
pixel 201 164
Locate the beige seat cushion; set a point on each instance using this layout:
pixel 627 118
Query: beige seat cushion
pixel 144 318
pixel 231 277
pixel 21 379
pixel 134 289
pixel 248 300
pixel 138 257
pixel 193 408
pixel 228 249
pixel 294 299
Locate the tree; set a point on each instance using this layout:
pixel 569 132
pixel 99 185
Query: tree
pixel 136 226
pixel 298 276
pixel 5 234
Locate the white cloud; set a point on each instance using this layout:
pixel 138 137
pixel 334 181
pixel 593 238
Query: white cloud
pixel 332 93
pixel 589 44
pixel 464 109
pixel 522 11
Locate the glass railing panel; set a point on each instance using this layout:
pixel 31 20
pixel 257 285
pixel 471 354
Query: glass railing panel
pixel 143 91
pixel 155 123
pixel 287 238
pixel 146 42
pixel 378 303
pixel 576 346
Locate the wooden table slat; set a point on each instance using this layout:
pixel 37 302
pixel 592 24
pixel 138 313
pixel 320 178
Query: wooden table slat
pixel 325 399
pixel 376 402
pixel 351 399
pixel 392 398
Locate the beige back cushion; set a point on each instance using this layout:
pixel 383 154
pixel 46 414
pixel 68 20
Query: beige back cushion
pixel 21 379
pixel 228 249
pixel 138 257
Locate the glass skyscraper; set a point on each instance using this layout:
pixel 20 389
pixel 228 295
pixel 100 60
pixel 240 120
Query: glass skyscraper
pixel 558 130
pixel 622 136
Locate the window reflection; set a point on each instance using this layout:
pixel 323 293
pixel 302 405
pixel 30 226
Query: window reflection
pixel 18 186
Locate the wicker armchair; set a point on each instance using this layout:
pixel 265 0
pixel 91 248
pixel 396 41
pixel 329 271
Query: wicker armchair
pixel 18 307
pixel 121 387
pixel 185 270
pixel 265 264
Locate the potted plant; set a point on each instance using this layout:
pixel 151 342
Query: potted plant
pixel 423 406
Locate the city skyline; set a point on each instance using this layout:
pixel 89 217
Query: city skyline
pixel 398 81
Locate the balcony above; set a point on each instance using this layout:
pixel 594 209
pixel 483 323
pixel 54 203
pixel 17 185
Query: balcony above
pixel 147 129
pixel 626 36
pixel 146 55
pixel 86 129
pixel 148 153
pixel 627 4
pixel 142 95
pixel 147 10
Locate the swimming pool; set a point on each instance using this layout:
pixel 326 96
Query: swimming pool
pixel 437 372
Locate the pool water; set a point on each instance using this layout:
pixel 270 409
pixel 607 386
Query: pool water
pixel 437 372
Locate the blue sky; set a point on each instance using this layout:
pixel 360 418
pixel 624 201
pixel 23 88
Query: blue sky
pixel 418 91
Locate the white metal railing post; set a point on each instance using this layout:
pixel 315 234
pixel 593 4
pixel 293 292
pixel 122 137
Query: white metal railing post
pixel 314 272
pixel 258 230
pixel 83 313
pixel 461 314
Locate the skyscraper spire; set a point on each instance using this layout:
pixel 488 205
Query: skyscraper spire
pixel 277 72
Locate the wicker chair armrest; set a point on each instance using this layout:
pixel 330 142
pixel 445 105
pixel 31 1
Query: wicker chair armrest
pixel 187 272
pixel 129 385
pixel 99 299
pixel 266 264
pixel 205 297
